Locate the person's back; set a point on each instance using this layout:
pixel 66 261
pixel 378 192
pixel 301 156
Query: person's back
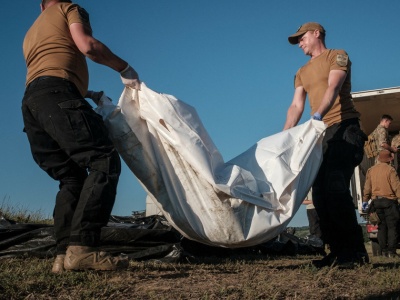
pixel 49 49
pixel 384 181
pixel 382 185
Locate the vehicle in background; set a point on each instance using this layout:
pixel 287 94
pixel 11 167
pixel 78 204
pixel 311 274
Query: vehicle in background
pixel 372 105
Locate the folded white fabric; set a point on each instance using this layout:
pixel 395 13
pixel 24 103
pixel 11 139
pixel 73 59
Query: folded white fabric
pixel 244 202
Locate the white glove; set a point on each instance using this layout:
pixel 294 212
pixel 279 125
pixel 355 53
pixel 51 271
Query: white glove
pixel 130 77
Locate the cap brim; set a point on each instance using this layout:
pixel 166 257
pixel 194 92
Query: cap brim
pixel 294 38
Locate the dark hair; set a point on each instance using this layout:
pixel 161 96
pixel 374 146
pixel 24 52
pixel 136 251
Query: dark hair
pixel 386 117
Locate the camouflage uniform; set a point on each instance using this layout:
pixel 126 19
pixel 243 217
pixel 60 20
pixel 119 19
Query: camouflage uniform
pixel 396 144
pixel 396 141
pixel 381 136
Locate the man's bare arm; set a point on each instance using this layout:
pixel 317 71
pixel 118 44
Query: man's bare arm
pixel 335 82
pixel 296 109
pixel 94 49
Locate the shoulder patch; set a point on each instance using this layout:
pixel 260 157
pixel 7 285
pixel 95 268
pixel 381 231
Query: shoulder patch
pixel 342 60
pixel 83 14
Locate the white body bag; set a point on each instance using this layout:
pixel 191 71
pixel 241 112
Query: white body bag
pixel 243 202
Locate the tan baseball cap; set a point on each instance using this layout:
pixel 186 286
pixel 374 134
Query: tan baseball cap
pixel 310 26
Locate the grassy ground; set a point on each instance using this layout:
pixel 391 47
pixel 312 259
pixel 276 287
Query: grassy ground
pixel 269 277
pixel 21 214
pixel 245 277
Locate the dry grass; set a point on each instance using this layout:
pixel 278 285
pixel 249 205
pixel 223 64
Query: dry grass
pixel 245 277
pixel 214 278
pixel 22 214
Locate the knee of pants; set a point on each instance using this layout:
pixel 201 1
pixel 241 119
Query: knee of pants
pixel 110 165
pixel 75 176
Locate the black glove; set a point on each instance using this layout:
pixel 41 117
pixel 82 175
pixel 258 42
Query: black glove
pixel 95 96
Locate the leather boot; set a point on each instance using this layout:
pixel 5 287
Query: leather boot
pixel 58 265
pixel 87 258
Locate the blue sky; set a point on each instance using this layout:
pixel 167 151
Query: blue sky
pixel 229 59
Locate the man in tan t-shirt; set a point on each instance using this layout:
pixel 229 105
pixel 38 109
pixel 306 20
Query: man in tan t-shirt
pixel 68 139
pixel 326 80
pixel 382 185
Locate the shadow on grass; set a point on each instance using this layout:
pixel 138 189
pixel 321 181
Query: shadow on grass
pixel 395 295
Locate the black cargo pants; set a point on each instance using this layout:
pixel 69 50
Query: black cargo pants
pixel 388 212
pixel 69 141
pixel 343 148
pixel 313 222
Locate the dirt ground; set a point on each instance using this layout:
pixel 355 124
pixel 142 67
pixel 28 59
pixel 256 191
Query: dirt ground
pixel 269 278
pixel 244 277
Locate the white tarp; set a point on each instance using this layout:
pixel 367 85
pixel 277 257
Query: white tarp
pixel 244 202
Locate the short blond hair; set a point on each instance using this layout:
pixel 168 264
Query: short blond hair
pixel 45 2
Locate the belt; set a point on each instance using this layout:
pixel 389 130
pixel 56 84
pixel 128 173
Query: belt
pixel 43 79
pixel 382 198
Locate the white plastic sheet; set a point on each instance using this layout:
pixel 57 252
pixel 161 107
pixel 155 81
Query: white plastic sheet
pixel 244 202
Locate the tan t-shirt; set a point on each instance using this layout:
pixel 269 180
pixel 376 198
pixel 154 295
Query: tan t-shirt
pixel 49 49
pixel 313 77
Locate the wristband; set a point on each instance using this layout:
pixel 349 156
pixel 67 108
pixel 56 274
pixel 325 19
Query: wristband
pixel 124 70
pixel 317 116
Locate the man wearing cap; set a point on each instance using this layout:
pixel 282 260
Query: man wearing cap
pixel 68 140
pixel 382 185
pixel 326 80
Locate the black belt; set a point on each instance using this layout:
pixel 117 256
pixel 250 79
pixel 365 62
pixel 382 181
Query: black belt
pixel 41 79
pixel 383 198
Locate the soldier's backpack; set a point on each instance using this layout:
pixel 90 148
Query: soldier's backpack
pixel 370 146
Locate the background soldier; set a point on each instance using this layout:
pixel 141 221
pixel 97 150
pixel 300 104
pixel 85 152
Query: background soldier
pixel 382 185
pixel 381 134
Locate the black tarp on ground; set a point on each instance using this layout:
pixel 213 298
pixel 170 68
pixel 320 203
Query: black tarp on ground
pixel 141 238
